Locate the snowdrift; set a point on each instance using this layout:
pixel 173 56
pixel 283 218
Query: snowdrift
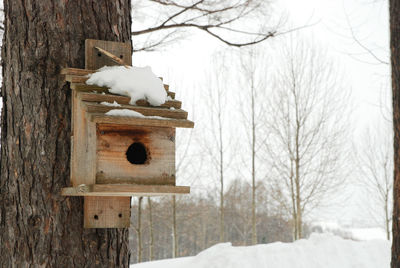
pixel 320 250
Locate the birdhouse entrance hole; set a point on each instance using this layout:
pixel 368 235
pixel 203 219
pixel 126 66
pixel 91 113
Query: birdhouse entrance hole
pixel 137 153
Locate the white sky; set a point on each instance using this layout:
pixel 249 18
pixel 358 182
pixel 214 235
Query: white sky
pixel 183 64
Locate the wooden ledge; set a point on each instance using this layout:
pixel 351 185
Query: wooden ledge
pixel 76 71
pixel 94 97
pixel 92 107
pixel 78 83
pixel 139 121
pixel 124 190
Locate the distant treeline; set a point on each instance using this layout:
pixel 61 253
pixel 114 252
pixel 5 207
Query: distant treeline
pixel 197 223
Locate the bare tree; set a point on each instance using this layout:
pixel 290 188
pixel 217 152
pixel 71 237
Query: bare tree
pixel 216 143
pixel 375 161
pixel 184 162
pixel 197 217
pixel 306 131
pixel 252 76
pixel 222 19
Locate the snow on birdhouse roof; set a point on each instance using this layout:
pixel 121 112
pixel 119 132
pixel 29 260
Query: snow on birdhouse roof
pixel 127 95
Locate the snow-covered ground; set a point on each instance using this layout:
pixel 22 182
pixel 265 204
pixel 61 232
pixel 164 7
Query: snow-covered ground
pixel 320 250
pixel 360 234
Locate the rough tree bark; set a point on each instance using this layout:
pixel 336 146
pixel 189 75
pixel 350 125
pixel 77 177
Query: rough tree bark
pixel 39 227
pixel 394 11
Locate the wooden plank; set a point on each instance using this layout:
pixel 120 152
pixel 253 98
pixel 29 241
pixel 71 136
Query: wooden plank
pixel 93 107
pixel 93 97
pixel 82 163
pixel 111 207
pixel 80 75
pixel 125 190
pixel 141 189
pixel 78 83
pixel 77 79
pixel 95 60
pixel 124 120
pixel 76 71
pixel 107 212
pixel 88 88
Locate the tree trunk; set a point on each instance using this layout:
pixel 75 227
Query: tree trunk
pixel 139 230
pixel 299 221
pixel 174 232
pixel 253 167
pixel 387 216
pixel 221 190
pixel 394 10
pixel 293 198
pixel 38 226
pixel 151 245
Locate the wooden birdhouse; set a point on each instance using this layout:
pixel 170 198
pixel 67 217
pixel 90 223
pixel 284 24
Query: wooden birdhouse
pixel 116 157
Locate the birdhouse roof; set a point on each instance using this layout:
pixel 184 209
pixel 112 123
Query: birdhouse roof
pixel 104 107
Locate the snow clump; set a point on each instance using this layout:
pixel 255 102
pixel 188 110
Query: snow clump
pixel 134 82
pixel 130 113
pixel 113 104
pixel 124 112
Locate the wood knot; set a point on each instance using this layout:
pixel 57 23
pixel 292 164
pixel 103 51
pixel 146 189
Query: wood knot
pixel 83 188
pixel 34 221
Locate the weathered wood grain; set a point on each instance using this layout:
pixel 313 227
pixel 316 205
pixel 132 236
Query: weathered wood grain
pixel 81 161
pixel 95 60
pixel 106 211
pixel 93 107
pixel 125 120
pixel 94 97
pixel 113 166
pixel 111 56
pixel 82 72
pixel 76 79
pixel 125 190
pixel 78 83
pixel 76 71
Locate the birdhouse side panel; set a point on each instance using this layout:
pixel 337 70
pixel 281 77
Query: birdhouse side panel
pixel 83 146
pixel 135 155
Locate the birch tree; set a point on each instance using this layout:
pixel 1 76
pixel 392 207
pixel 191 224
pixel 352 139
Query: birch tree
pixel 252 76
pixel 217 143
pixel 306 131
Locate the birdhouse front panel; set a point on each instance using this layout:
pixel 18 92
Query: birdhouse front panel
pixel 135 155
